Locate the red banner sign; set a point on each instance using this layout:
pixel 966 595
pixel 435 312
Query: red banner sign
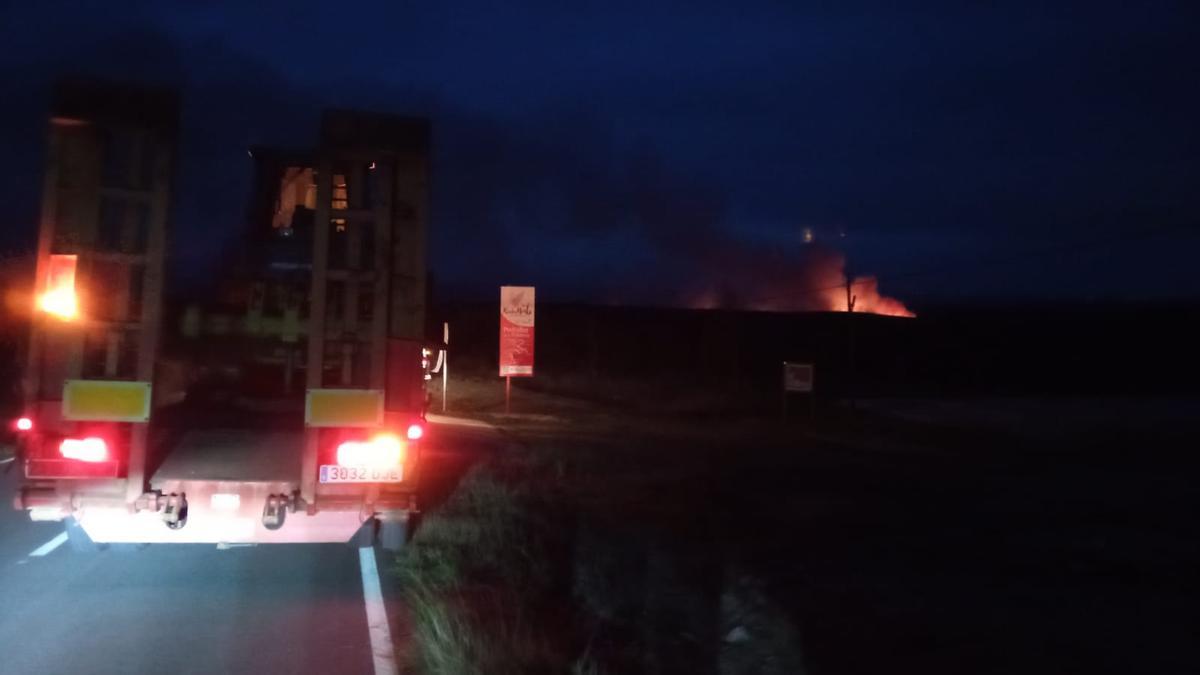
pixel 516 331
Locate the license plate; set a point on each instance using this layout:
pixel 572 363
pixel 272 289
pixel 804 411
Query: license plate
pixel 333 473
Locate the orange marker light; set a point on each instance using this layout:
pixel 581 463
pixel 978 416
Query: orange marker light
pixel 59 298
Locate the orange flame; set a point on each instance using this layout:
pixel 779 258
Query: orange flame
pixel 814 282
pixel 867 299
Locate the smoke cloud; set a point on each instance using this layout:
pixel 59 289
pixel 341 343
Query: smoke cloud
pixel 811 280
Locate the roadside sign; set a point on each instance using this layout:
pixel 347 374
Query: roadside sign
pixel 516 331
pixel 797 377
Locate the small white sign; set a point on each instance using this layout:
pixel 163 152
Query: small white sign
pixel 797 377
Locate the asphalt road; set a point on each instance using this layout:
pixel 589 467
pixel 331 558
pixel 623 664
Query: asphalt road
pixel 194 608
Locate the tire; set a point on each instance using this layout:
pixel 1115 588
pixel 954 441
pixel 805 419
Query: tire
pixel 393 532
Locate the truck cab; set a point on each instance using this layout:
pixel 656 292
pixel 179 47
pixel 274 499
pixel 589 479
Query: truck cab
pixel 284 403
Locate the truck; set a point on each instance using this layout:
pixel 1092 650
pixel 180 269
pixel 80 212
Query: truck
pixel 283 404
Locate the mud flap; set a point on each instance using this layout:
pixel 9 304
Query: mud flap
pixel 365 536
pixel 393 531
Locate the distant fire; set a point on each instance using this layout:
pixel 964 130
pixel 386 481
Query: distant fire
pixel 813 282
pixel 865 292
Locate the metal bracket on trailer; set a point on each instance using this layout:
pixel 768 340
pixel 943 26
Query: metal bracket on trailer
pixel 275 510
pixel 175 510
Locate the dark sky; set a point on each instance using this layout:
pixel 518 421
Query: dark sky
pixel 640 152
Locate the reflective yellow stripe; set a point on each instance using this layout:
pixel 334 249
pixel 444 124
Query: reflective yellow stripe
pixel 343 408
pixel 106 401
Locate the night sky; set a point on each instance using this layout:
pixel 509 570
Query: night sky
pixel 646 152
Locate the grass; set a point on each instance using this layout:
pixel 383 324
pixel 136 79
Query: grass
pixel 475 581
pixel 483 393
pixel 453 635
pixel 580 550
pixel 585 549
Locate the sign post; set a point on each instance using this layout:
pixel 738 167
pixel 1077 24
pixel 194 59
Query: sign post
pixel 445 362
pixel 507 394
pixel 516 336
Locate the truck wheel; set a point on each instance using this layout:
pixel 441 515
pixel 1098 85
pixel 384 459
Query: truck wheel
pixel 393 532
pixel 78 539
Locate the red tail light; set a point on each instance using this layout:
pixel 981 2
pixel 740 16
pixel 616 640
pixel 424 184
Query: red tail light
pixel 383 451
pixel 84 449
pixel 24 424
pixel 415 432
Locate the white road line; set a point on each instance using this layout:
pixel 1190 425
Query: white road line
pixel 49 546
pixel 377 621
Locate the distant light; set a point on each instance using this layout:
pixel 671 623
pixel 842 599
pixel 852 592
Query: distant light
pixel 808 235
pixel 372 167
pixel 24 424
pixel 250 154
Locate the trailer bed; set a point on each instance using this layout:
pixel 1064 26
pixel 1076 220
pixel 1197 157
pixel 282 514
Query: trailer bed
pixel 228 443
pixel 233 455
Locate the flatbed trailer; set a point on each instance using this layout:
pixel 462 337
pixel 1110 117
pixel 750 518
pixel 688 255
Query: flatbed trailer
pixel 291 408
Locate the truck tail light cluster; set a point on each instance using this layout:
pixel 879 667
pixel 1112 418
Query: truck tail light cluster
pixel 91 449
pixel 382 451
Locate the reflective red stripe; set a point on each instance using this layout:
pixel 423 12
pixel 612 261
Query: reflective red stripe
pixel 70 468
